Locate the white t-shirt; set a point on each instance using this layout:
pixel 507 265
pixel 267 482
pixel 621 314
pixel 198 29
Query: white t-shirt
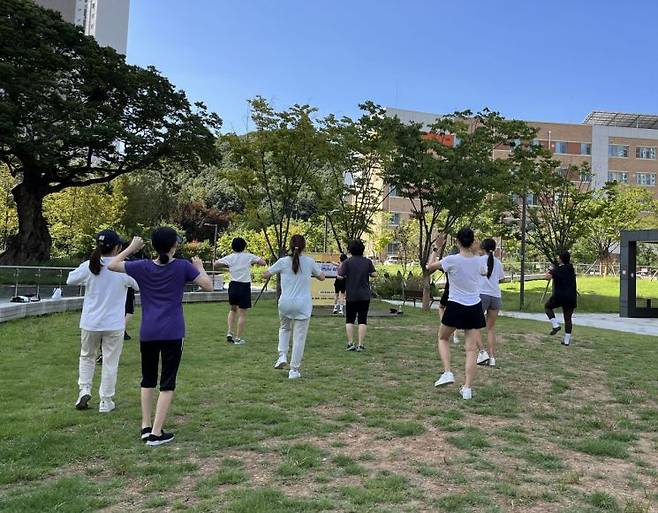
pixel 295 301
pixel 239 265
pixel 491 286
pixel 464 278
pixel 104 305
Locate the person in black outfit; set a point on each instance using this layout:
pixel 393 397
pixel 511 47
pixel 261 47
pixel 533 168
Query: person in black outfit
pixel 356 271
pixel 339 289
pixel 564 295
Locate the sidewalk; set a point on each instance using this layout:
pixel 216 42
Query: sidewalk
pixel 606 321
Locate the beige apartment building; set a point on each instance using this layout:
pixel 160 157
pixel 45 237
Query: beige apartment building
pixel 618 147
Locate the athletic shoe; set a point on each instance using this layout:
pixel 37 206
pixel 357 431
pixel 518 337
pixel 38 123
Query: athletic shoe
pixel 483 358
pixel 106 406
pixel 83 399
pixel 239 341
pixel 555 330
pixel 455 338
pixel 466 393
pixel 294 374
pixel 360 348
pixel 99 360
pixel 335 310
pixel 492 362
pixel 351 346
pixel 446 378
pixel 341 311
pixel 229 338
pixel 164 438
pixel 281 362
pixel 145 433
pixel 126 336
pixel 565 343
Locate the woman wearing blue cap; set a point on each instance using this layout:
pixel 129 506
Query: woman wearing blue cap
pixel 102 319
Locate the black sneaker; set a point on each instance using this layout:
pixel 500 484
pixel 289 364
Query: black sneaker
pixel 146 432
pixel 351 347
pixel 229 338
pixel 164 438
pixel 360 348
pixel 126 336
pixel 555 330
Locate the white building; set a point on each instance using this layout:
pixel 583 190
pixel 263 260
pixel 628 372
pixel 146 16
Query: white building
pixel 106 20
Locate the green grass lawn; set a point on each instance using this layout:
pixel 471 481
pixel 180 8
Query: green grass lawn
pixel 597 294
pixel 552 429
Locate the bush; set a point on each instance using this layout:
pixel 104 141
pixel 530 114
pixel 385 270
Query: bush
pixel 390 287
pixel 194 248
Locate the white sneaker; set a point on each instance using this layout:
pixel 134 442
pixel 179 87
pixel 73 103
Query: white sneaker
pixel 281 362
pixel 106 406
pixel 294 374
pixel 239 341
pixel 466 393
pixel 83 399
pixel 492 362
pixel 445 379
pixel 483 358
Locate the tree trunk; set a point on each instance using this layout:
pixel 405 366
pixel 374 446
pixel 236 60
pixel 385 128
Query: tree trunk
pixel 32 242
pixel 427 290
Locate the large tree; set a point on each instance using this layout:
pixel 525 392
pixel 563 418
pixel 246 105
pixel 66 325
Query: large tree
pixel 274 170
pixel 358 153
pixel 74 114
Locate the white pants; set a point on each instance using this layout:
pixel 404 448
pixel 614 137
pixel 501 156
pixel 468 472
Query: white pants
pixel 112 345
pixel 298 329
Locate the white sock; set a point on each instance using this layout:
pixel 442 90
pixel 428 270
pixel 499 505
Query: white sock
pixel 282 354
pixel 555 322
pixel 567 338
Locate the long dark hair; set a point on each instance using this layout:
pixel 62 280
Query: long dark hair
pixel 106 242
pixel 163 239
pixel 489 245
pixel 297 245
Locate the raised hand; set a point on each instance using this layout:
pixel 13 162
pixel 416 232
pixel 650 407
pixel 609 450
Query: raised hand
pixel 198 263
pixel 136 244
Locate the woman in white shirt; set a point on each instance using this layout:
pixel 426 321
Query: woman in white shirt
pixel 491 298
pixel 102 320
pixel 295 304
pixel 464 308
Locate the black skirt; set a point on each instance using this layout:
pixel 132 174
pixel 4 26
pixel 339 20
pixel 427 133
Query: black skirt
pixel 464 317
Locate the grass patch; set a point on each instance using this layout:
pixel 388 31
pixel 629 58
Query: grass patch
pixel 601 447
pixel 471 438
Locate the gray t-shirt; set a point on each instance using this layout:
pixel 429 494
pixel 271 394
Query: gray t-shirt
pixel 357 270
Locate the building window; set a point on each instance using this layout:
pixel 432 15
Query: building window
pixel 645 152
pixel 618 150
pixel 395 219
pixel 618 176
pixel 393 191
pixel 560 147
pixel 585 148
pixel 393 248
pixel 645 179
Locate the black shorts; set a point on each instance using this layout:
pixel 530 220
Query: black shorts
pixel 556 302
pixel 170 352
pixel 357 309
pixel 339 286
pixel 464 317
pixel 239 294
pixel 130 301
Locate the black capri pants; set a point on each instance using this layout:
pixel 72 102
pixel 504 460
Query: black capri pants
pixel 356 309
pixel 170 352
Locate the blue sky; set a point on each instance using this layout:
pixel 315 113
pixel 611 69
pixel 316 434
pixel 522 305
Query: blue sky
pixel 535 60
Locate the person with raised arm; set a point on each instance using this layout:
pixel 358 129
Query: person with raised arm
pixel 565 295
pixel 162 284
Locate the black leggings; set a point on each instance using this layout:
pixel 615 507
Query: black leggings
pixel 552 304
pixel 171 352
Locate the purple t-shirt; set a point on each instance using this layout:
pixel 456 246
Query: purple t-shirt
pixel 161 290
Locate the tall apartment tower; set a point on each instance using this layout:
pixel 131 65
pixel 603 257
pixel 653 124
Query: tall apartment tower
pixel 106 20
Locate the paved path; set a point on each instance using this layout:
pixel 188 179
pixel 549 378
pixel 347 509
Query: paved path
pixel 592 320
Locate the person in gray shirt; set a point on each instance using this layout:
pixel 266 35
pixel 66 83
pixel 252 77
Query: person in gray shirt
pixel 356 271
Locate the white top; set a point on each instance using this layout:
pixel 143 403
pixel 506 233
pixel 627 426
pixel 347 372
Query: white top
pixel 491 286
pixel 295 301
pixel 239 265
pixel 464 278
pixel 104 304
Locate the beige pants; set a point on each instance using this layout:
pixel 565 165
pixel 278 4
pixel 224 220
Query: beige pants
pixel 112 346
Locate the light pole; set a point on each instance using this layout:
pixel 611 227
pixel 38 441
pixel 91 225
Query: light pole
pixel 524 208
pixel 326 227
pixel 214 246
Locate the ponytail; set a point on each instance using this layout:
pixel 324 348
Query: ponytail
pixel 95 260
pixel 163 258
pixel 297 245
pixel 489 246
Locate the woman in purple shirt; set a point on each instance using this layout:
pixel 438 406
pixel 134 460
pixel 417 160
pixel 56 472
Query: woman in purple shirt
pixel 161 283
